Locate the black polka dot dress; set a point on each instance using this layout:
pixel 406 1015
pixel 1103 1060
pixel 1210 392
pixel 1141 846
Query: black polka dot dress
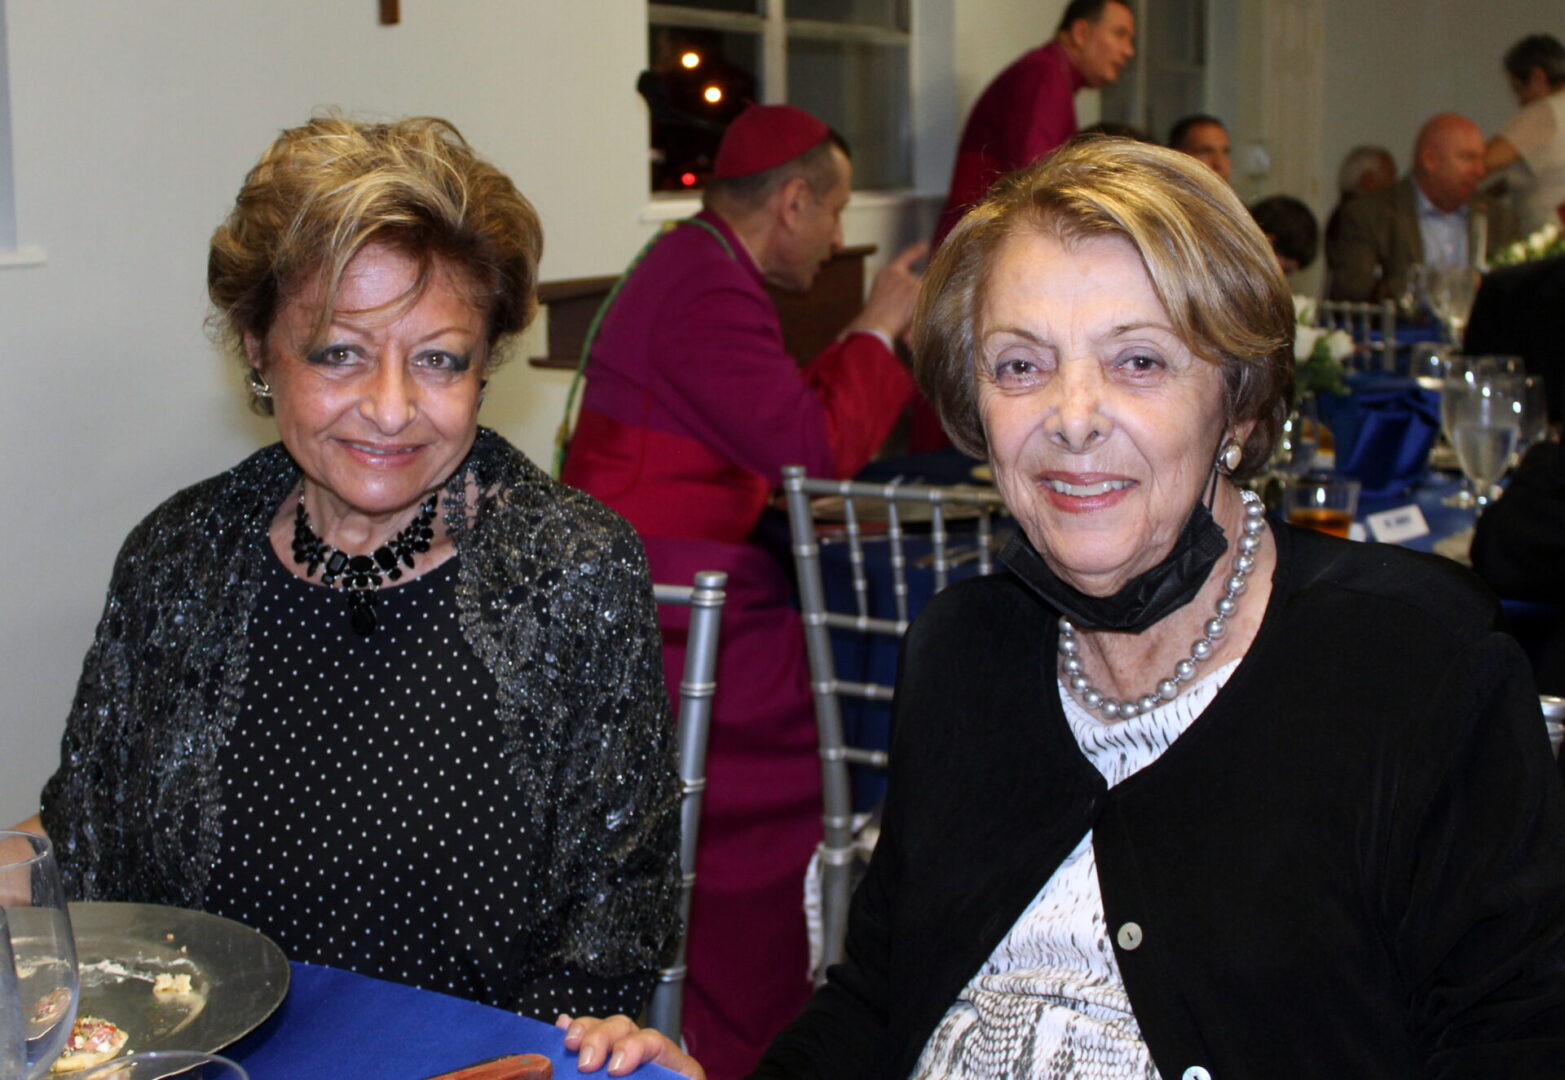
pixel 370 821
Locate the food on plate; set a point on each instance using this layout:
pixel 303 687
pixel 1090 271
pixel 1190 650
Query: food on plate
pixel 93 1041
pixel 168 985
pixel 49 1008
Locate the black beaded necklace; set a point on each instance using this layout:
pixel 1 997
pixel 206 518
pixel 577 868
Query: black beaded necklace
pixel 361 574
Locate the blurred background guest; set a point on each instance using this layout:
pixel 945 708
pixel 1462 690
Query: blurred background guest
pixel 1030 108
pixel 1363 169
pixel 1429 216
pixel 383 690
pixel 692 408
pixel 1173 709
pixel 1290 228
pixel 1205 138
pixel 1532 145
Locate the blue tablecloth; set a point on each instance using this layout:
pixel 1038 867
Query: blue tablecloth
pixel 335 1025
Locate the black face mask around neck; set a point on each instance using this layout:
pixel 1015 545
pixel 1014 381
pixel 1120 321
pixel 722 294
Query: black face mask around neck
pixel 1145 598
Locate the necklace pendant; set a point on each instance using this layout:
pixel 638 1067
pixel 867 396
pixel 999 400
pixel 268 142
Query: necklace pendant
pixel 361 612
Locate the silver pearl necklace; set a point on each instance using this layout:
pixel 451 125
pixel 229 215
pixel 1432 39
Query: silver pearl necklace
pixel 1073 671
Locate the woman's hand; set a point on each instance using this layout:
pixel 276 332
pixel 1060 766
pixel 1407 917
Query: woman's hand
pixel 623 1045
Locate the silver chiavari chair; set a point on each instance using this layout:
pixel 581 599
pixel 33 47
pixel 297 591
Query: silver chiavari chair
pixel 697 685
pixel 1372 326
pixel 889 505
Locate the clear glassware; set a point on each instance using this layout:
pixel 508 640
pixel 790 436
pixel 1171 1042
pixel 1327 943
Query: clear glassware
pixel 38 982
pixel 1430 363
pixel 1533 409
pixel 167 1065
pixel 1448 292
pixel 1485 427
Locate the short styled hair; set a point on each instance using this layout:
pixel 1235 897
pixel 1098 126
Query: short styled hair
pixel 1182 127
pixel 1360 161
pixel 1291 227
pixel 1537 51
pixel 1091 10
pixel 323 192
pixel 1210 266
pixel 751 192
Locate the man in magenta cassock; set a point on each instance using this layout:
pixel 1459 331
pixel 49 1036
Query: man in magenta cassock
pixel 692 409
pixel 1029 108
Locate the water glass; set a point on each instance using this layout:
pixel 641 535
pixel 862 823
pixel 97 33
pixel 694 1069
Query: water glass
pixel 1534 411
pixel 166 1065
pixel 38 982
pixel 1431 363
pixel 1324 503
pixel 1485 420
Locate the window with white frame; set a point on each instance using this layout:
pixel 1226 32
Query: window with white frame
pixel 846 61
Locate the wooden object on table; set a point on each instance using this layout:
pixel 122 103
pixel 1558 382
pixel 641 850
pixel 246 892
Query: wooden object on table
pixel 511 1067
pixel 390 12
pixel 810 320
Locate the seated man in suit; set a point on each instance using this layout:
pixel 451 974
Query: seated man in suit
pixel 1429 216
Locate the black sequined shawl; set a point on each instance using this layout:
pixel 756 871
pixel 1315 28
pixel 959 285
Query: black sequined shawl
pixel 553 597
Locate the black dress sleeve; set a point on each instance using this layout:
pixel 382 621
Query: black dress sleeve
pixel 1476 874
pixel 612 869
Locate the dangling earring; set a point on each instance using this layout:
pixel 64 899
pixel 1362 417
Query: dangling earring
pixel 257 384
pixel 1230 456
pixel 483 391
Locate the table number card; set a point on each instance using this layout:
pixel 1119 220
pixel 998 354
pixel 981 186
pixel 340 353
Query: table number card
pixel 1399 525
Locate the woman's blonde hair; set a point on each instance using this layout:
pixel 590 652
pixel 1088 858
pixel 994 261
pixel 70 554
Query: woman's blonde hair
pixel 324 191
pixel 1212 269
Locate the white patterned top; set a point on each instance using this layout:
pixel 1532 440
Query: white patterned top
pixel 1049 1002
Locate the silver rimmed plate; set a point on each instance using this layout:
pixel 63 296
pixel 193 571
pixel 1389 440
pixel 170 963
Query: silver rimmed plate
pixel 237 976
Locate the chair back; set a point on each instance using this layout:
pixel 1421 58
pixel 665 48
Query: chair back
pixel 1372 326
pixel 892 507
pixel 697 684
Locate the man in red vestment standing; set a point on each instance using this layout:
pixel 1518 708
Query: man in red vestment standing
pixel 692 408
pixel 1029 108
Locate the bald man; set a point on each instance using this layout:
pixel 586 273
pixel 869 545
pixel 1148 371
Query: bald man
pixel 1431 215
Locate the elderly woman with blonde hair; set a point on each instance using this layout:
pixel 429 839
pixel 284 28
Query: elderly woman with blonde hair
pixel 1187 792
pixel 383 690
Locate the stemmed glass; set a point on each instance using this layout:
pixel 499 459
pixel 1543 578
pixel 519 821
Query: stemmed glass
pixel 1448 292
pixel 161 1064
pixel 1533 408
pixel 1430 364
pixel 1485 425
pixel 38 982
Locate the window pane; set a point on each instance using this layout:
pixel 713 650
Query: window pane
pixel 891 14
pixel 697 81
pixel 749 7
pixel 862 91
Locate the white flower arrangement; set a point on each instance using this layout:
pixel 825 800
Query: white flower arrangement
pixel 1319 352
pixel 1546 242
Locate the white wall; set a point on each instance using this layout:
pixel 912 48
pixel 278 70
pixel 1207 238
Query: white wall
pixel 1390 64
pixel 991 34
pixel 134 124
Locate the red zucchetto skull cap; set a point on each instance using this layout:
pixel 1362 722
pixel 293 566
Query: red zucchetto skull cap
pixel 763 137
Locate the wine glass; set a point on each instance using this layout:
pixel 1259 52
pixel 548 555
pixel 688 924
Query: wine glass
pixel 1431 363
pixel 1485 426
pixel 1533 408
pixel 161 1064
pixel 38 982
pixel 1449 292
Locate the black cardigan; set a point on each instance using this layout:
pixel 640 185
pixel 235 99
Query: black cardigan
pixel 1351 864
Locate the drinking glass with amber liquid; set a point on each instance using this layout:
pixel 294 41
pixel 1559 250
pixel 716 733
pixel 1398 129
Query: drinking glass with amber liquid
pixel 1324 503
